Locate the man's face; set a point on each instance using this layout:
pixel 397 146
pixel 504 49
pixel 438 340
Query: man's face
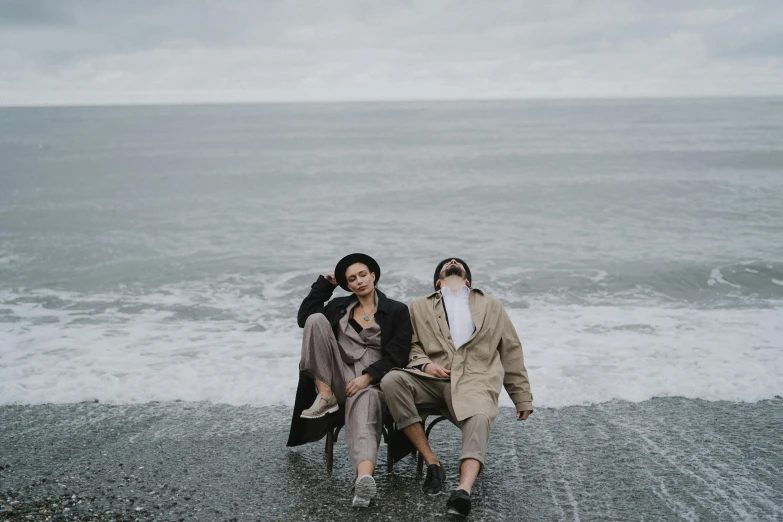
pixel 452 268
pixel 359 279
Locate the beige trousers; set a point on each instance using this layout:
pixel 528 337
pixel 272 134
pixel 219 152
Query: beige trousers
pixel 408 394
pixel 364 412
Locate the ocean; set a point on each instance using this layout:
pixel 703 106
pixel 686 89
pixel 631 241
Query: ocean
pixel 160 253
pixel 157 254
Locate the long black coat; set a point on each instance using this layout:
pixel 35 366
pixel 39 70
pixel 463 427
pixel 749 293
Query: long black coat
pixel 395 323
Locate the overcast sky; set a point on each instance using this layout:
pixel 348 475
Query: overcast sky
pixel 65 52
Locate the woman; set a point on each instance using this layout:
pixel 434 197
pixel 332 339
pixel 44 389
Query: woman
pixel 349 344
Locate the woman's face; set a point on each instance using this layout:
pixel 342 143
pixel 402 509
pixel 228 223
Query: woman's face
pixel 360 280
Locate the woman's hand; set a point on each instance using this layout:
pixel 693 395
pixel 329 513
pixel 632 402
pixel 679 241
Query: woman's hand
pixel 330 277
pixel 358 384
pixel 436 370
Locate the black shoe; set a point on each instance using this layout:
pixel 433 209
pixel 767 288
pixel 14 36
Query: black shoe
pixel 459 503
pixel 436 475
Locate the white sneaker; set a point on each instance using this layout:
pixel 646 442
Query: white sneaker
pixel 364 491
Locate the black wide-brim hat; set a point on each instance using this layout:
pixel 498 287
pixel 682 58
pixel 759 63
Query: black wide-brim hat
pixel 458 260
pixel 344 263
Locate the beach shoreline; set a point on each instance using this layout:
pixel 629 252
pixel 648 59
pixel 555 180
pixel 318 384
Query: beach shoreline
pixel 662 459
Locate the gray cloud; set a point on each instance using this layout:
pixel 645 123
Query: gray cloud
pixel 37 13
pixel 74 52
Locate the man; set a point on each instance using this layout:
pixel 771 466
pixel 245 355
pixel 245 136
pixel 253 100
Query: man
pixel 463 349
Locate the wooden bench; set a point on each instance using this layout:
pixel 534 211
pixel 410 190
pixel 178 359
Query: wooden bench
pixel 388 427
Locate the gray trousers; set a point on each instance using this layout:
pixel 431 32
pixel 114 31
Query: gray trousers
pixel 407 394
pixel 364 412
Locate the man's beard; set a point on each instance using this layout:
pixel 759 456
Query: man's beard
pixel 452 270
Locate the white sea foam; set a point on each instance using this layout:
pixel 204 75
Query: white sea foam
pixel 575 354
pixel 580 355
pixel 599 276
pixel 717 277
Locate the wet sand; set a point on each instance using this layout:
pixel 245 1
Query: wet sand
pixel 663 459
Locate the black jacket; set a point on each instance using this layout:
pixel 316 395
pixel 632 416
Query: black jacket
pixel 395 322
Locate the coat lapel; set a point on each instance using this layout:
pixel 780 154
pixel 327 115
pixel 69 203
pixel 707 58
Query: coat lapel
pixel 440 318
pixel 478 309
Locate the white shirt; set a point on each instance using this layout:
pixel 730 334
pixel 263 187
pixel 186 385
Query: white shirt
pixel 457 308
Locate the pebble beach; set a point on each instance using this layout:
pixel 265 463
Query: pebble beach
pixel 662 459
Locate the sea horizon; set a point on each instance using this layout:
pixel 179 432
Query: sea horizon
pixel 393 101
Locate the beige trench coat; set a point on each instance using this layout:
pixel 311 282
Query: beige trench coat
pixel 490 358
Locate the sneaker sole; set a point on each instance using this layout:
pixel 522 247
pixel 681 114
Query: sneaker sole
pixel 364 491
pixel 452 511
pixel 330 410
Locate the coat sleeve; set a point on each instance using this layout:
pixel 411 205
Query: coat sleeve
pixel 417 356
pixel 515 379
pixel 396 351
pixel 315 302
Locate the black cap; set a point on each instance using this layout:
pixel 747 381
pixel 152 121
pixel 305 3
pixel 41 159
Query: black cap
pixel 458 260
pixel 344 263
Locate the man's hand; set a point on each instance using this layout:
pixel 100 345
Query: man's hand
pixel 330 277
pixel 358 384
pixel 436 370
pixel 523 415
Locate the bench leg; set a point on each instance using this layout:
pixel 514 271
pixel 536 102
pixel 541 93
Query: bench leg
pixel 389 460
pixel 387 431
pixel 329 449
